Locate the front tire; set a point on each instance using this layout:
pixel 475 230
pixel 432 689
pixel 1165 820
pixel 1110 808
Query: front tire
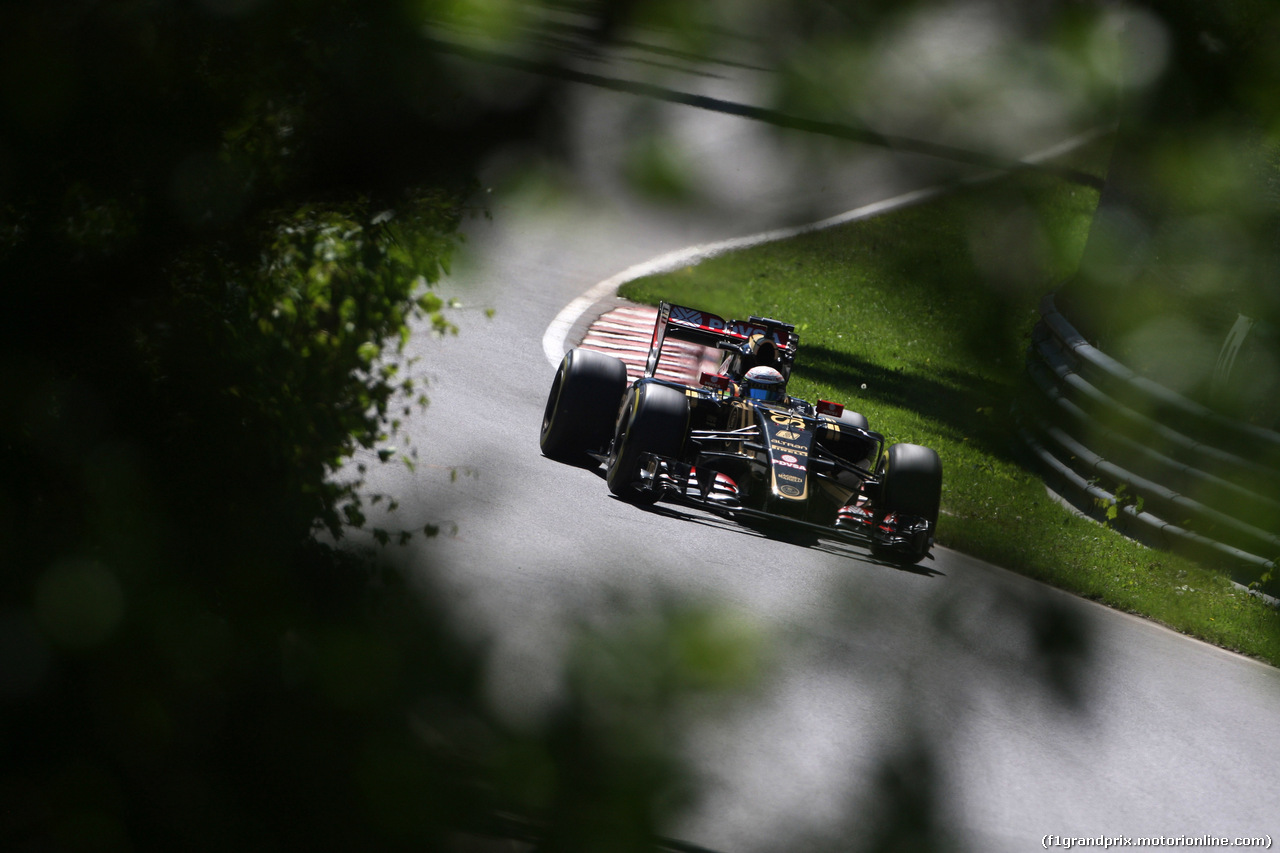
pixel 851 419
pixel 911 486
pixel 582 405
pixel 654 419
pixel 850 444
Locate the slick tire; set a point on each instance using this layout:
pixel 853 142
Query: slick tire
pixel 583 405
pixel 851 446
pixel 911 478
pixel 654 419
pixel 853 419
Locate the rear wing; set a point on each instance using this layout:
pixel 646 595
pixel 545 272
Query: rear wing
pixel 710 330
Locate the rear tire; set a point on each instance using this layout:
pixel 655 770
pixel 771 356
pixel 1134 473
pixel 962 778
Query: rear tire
pixel 911 485
pixel 654 419
pixel 582 405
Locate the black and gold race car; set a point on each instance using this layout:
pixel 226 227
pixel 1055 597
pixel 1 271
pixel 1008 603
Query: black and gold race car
pixel 737 445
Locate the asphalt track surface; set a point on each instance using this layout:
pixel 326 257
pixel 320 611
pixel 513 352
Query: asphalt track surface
pixel 1011 711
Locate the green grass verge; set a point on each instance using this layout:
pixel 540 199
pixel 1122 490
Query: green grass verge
pixel 919 319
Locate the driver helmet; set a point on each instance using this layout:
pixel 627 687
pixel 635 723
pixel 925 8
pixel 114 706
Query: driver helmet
pixel 764 383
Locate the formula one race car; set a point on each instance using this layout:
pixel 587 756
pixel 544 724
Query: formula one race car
pixel 738 445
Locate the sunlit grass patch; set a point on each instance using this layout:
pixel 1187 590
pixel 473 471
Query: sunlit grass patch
pixel 919 319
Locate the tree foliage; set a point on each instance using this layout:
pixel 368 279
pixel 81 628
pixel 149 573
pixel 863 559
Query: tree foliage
pixel 216 222
pixel 217 218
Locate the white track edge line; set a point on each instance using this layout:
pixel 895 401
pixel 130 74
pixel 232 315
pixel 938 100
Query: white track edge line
pixel 556 336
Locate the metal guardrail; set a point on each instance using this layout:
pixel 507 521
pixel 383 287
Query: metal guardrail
pixel 1170 472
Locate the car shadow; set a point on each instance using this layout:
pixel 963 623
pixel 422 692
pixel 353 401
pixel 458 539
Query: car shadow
pixel 781 532
pixel 587 463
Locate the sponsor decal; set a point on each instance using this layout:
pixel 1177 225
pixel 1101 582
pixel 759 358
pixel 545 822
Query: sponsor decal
pixel 712 323
pixel 785 419
pixel 789 486
pixel 787 435
pixel 787 457
pixel 797 449
pixel 788 461
pixel 693 317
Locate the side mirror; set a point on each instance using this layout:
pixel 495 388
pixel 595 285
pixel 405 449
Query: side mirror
pixel 830 409
pixel 716 381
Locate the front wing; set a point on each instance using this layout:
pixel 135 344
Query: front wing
pixel 678 482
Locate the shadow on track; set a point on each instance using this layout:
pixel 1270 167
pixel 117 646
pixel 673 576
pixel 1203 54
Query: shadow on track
pixel 780 532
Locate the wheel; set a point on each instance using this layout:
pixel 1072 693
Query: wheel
pixel 911 485
pixel 582 405
pixel 852 446
pixel 654 419
pixel 853 419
